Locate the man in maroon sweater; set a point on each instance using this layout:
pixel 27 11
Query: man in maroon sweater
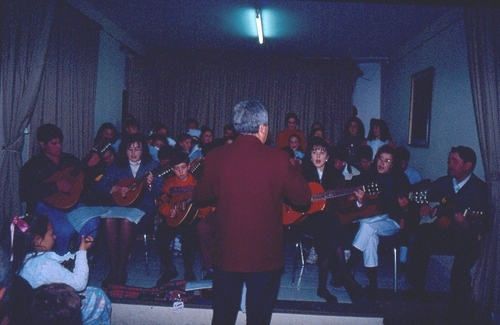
pixel 247 182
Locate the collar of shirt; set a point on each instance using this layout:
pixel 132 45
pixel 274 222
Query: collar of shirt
pixel 134 166
pixel 458 186
pixel 320 175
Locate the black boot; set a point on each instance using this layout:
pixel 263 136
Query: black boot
pixel 354 259
pixel 336 279
pixel 353 288
pixel 323 268
pixel 371 273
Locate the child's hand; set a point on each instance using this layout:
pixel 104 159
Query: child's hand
pixel 86 243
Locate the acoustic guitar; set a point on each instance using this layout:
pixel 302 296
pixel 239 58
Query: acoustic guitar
pixel 318 200
pixel 75 176
pixel 443 214
pixel 136 184
pixel 185 211
pixel 370 207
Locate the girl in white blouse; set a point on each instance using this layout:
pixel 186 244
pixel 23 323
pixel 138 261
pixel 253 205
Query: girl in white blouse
pixel 35 261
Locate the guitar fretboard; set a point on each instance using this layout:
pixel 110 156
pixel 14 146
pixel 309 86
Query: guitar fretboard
pixel 342 192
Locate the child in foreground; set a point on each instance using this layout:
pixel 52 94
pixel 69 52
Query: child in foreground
pixel 35 261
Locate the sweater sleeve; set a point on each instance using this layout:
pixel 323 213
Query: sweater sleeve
pixel 46 269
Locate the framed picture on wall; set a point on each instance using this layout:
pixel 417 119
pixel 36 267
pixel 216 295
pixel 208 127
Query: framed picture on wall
pixel 420 108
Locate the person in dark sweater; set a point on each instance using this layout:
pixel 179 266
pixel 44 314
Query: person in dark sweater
pixel 383 216
pixel 456 230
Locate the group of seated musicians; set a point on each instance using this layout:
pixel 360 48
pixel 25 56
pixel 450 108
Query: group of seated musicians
pixel 384 215
pixel 459 221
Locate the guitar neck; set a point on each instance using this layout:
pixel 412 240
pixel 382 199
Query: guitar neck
pixel 334 193
pixel 157 172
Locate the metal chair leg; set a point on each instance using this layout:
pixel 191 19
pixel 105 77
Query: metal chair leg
pixel 146 253
pixel 298 246
pixel 395 250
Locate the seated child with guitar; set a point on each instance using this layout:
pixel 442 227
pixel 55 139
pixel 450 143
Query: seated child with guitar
pixel 179 217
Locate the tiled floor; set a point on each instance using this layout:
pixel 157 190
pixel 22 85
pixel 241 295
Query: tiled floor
pixel 144 274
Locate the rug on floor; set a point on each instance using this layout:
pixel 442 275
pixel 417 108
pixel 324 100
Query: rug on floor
pixel 167 292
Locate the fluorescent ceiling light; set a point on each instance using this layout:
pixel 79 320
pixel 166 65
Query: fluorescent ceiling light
pixel 258 21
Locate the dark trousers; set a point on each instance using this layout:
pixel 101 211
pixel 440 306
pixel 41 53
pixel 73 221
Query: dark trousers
pixel 205 237
pixel 431 239
pixel 262 291
pixel 189 241
pixel 325 228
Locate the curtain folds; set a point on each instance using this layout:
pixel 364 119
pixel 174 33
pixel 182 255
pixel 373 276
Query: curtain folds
pixel 67 93
pixel 25 34
pixel 483 50
pixel 142 89
pixel 207 85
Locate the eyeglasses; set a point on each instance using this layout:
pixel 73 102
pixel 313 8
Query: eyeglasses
pixel 381 159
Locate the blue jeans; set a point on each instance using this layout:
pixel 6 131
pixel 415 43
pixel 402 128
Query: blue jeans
pixel 62 228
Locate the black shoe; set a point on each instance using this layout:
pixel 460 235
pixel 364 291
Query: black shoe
pixel 325 294
pixel 167 276
pixel 189 276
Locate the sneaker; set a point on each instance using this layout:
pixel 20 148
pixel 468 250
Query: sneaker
pixel 313 257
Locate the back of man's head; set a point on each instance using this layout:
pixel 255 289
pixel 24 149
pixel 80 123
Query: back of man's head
pixel 248 115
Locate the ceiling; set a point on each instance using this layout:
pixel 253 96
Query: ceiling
pixel 363 30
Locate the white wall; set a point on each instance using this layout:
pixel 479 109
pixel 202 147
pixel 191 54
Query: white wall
pixel 366 96
pixel 110 82
pixel 452 118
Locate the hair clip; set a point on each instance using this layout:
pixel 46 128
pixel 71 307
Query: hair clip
pixel 20 224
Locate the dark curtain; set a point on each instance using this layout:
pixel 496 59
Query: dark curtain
pixel 483 50
pixel 24 35
pixel 67 93
pixel 207 85
pixel 142 89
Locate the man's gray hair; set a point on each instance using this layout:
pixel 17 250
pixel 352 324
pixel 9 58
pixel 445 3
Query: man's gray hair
pixel 248 115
